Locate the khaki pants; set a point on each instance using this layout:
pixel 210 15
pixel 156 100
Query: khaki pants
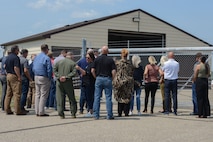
pixel 31 95
pixel 42 88
pixel 13 89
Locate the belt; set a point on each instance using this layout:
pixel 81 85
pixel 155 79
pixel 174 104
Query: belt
pixel 103 75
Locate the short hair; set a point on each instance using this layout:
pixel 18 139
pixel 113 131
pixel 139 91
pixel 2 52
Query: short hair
pixel 14 48
pixel 23 51
pixel 124 52
pixel 44 47
pixel 50 54
pixel 69 54
pixel 63 51
pixel 198 55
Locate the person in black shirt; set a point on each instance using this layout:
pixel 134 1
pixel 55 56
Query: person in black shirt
pixel 12 66
pixel 104 71
pixel 88 82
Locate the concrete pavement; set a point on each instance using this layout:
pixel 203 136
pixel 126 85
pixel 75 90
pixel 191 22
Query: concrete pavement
pixel 148 127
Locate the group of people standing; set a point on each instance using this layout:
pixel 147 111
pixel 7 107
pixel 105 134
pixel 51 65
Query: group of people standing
pixel 122 77
pixel 129 77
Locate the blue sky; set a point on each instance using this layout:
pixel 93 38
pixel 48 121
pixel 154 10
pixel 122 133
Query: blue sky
pixel 21 18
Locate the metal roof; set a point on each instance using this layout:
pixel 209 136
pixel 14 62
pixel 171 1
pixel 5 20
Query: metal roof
pixel 48 34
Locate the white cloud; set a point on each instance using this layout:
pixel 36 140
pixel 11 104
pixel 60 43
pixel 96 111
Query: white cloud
pixel 84 14
pixel 50 4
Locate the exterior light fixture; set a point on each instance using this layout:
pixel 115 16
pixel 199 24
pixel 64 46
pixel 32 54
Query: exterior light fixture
pixel 136 19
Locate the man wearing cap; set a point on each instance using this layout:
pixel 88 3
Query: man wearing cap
pixel 42 69
pixel 3 79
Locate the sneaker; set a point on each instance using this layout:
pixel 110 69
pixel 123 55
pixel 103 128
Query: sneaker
pixel 130 113
pixel 88 115
pixel 139 113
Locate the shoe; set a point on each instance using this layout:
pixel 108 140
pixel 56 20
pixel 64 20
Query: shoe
pixel 130 113
pixel 139 113
pixel 192 113
pixel 62 116
pixel 145 111
pixel 81 112
pixel 22 113
pixel 24 110
pixel 166 113
pixel 66 109
pixel 162 111
pixel 73 116
pixel 9 113
pixel 126 114
pixel 88 115
pixel 96 118
pixel 119 115
pixel 110 118
pixel 175 113
pixel 44 115
pixel 151 111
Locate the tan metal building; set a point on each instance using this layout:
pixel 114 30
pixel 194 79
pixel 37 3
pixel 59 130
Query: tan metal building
pixel 132 25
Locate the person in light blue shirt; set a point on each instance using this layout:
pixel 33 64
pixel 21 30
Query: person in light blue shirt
pixel 42 69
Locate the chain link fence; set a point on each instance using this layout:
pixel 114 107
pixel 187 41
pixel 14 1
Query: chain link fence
pixel 184 55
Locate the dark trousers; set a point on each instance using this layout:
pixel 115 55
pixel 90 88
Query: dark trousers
pixel 90 96
pixel 62 89
pixel 82 101
pixel 171 86
pixel 25 88
pixel 3 80
pixel 202 97
pixel 123 107
pixel 150 87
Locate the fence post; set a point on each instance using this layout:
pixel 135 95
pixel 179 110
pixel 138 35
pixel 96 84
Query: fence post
pixel 84 47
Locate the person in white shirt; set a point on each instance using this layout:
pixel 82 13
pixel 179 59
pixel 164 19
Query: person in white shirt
pixel 170 71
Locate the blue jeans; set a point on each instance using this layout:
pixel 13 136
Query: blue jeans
pixel 3 80
pixel 138 100
pixel 25 88
pixel 171 86
pixel 51 100
pixel 103 83
pixel 194 98
pixel 82 98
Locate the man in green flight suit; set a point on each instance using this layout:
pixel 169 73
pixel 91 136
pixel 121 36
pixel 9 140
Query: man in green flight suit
pixel 64 70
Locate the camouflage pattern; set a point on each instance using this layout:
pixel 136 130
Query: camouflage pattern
pixel 123 83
